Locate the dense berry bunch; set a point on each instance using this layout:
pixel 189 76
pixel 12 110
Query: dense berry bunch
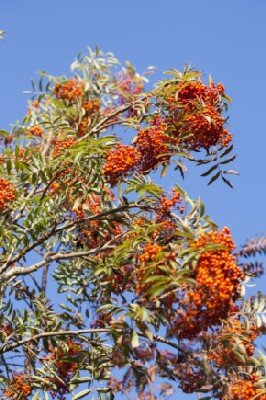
pixel 36 131
pixel 91 106
pixel 120 161
pixel 217 273
pixel 18 386
pixel 206 128
pixel 195 115
pixel 61 145
pixel 188 93
pixel 153 144
pixel 70 90
pixel 7 193
pixel 244 389
pixel 150 252
pixel 217 277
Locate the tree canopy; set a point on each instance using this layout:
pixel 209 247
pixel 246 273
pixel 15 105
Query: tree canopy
pixel 113 285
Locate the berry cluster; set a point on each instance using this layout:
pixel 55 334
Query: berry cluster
pixel 150 252
pixel 7 193
pixel 120 161
pixel 66 362
pixel 218 279
pixel 91 108
pixel 18 385
pixel 223 343
pixel 89 233
pixel 244 389
pixel 66 176
pixel 61 145
pixel 153 263
pixel 150 148
pixel 195 115
pixel 207 129
pixel 190 92
pixel 217 273
pixel 153 145
pixel 167 204
pixel 70 90
pixel 36 131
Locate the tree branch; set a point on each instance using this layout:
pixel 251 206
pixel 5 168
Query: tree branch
pixel 50 257
pixel 97 128
pixel 35 338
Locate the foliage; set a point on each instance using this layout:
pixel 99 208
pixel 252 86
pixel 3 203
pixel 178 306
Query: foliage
pixel 110 284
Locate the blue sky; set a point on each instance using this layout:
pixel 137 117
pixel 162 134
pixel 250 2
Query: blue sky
pixel 226 39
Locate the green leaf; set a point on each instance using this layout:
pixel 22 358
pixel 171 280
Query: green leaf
pixel 135 339
pixel 228 160
pixel 216 176
pixel 227 151
pixel 82 394
pixel 231 171
pixel 81 380
pixel 201 208
pixel 209 170
pixel 227 182
pixel 3 132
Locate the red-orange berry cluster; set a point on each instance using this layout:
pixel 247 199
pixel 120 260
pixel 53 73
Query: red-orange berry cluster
pixel 36 131
pixel 244 389
pixel 217 273
pixel 190 92
pixel 149 253
pixel 91 108
pixel 120 161
pixel 7 193
pixel 153 145
pixel 223 350
pixel 167 204
pixel 195 115
pixel 18 385
pixel 65 176
pixel 218 279
pixel 89 233
pixel 70 90
pixel 61 145
pixel 207 129
pixel 65 360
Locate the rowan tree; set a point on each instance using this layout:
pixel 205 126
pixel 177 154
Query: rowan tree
pixel 112 284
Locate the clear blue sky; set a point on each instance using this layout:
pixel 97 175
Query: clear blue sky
pixel 226 39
